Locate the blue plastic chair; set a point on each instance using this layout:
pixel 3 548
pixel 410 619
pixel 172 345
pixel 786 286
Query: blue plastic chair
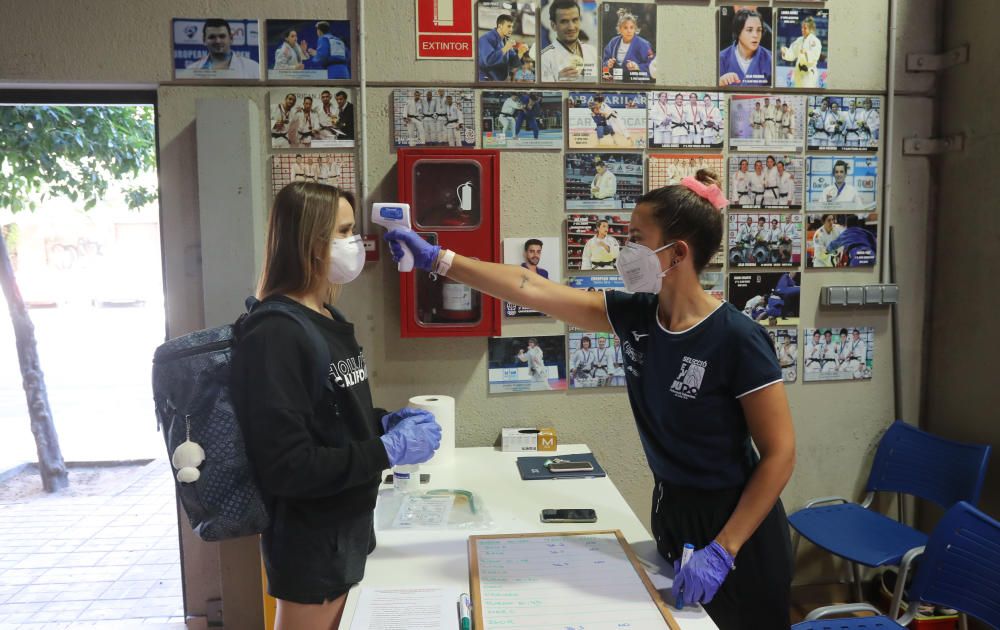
pixel 907 461
pixel 959 568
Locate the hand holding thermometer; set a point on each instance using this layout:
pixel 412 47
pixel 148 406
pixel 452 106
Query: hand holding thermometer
pixel 395 216
pixel 685 556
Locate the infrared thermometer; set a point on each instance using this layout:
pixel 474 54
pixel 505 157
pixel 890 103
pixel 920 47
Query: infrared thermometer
pixel 395 216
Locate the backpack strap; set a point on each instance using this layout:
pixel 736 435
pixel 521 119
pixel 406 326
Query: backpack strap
pixel 256 308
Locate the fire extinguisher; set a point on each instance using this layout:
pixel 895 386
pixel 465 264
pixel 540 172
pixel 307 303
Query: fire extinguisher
pixel 464 193
pixel 459 303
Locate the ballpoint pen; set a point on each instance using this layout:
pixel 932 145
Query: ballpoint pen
pixel 685 556
pixel 464 612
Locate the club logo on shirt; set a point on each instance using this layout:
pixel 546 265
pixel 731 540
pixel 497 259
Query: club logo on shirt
pixel 349 372
pixel 688 381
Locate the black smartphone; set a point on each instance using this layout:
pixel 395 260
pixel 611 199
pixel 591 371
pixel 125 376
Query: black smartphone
pixel 558 467
pixel 424 478
pixel 578 515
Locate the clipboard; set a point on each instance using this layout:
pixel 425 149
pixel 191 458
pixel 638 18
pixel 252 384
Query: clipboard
pixel 496 546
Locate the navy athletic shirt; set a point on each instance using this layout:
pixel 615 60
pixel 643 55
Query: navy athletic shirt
pixel 684 388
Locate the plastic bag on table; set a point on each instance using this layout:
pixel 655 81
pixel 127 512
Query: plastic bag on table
pixel 432 509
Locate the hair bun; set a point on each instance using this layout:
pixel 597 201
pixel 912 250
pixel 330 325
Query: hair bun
pixel 707 177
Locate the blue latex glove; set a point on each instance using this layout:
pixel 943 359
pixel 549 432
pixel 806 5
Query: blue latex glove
pixel 703 574
pixel 390 420
pixel 413 440
pixel 424 254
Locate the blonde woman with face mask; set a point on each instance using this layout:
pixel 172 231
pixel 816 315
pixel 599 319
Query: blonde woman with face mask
pixel 316 442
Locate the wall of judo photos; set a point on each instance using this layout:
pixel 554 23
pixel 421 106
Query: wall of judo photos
pixel 796 142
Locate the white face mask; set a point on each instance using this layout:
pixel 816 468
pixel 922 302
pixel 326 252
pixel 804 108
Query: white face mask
pixel 347 259
pixel 640 268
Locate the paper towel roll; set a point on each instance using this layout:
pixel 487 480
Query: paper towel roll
pixel 443 408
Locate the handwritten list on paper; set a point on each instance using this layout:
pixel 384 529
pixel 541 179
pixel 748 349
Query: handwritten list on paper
pixel 562 583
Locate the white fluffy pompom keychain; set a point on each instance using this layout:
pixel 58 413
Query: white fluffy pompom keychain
pixel 187 457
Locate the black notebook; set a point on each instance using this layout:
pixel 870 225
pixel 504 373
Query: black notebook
pixel 535 467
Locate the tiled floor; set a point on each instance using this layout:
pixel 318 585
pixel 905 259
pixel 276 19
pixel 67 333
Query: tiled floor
pixel 93 562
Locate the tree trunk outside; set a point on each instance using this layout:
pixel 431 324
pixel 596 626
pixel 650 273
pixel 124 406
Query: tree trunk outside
pixel 50 459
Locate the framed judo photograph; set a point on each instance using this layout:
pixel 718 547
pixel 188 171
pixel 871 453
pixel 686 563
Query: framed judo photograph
pixel 506 33
pixel 713 283
pixel 216 48
pixel 766 180
pixel 628 42
pixel 522 120
pixel 593 241
pixel 842 182
pixel 603 181
pixel 526 364
pixel 686 120
pixel 765 239
pixel 668 169
pixel 786 348
pixel 311 118
pixel 835 241
pixel 568 39
pixel 844 123
pixel 309 49
pixel 768 298
pixel 803 45
pixel 595 360
pixel 539 254
pixel 428 117
pixel 745 45
pixel 838 353
pixel 600 120
pixel 332 169
pixel 767 123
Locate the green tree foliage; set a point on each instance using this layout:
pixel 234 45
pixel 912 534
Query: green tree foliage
pixel 74 152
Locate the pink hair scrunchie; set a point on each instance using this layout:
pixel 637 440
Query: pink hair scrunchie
pixel 709 192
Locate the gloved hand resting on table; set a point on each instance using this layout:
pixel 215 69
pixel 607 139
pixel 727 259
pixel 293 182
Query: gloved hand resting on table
pixel 424 254
pixel 391 419
pixel 413 440
pixel 703 574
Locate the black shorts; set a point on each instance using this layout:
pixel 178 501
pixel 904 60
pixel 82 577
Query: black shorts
pixel 309 565
pixel 756 594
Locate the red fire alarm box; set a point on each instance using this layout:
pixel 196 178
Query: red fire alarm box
pixel 454 197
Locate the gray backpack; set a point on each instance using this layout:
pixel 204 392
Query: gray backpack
pixel 193 399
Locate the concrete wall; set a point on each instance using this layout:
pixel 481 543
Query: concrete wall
pixel 962 396
pixel 117 41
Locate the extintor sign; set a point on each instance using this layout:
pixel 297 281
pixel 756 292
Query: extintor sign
pixel 444 29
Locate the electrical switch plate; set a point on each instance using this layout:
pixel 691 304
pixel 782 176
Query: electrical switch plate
pixel 890 294
pixel 855 296
pixel 835 296
pixel 873 294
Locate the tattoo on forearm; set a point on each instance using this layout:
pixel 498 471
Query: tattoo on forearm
pixel 524 280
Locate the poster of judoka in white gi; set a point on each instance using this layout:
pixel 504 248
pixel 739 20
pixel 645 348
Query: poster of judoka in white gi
pixel 768 298
pixel 838 353
pixel 765 239
pixel 606 181
pixel 766 180
pixel 668 169
pixel 216 48
pixel 844 123
pixel 332 169
pixel 802 48
pixel 600 120
pixel 541 255
pixel 433 117
pixel 688 120
pixel 593 241
pixel 842 182
pixel 526 364
pixel 522 120
pixel 767 123
pixel 311 118
pixel 595 360
pixel 786 348
pixel 841 240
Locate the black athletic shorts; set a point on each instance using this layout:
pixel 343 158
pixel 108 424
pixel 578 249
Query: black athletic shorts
pixel 309 565
pixel 756 594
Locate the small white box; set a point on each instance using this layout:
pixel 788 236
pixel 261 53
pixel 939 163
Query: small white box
pixel 519 439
